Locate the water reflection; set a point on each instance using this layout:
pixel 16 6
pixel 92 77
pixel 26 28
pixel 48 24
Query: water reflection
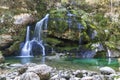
pixel 86 63
pixel 25 60
pixel 96 62
pixel 43 60
pixel 109 60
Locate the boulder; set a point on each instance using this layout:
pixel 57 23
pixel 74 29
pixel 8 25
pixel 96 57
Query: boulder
pixel 55 77
pixel 87 78
pixel 42 70
pixel 2 77
pixel 25 67
pixel 107 70
pixel 22 70
pixel 75 78
pixel 78 73
pixel 98 77
pixel 29 76
pixel 17 78
pixel 10 75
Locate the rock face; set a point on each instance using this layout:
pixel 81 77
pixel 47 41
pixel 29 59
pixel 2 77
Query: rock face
pixel 23 18
pixel 1 58
pixel 107 70
pixel 5 40
pixel 43 71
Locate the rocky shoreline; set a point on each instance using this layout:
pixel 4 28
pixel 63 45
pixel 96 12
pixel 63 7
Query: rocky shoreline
pixel 33 71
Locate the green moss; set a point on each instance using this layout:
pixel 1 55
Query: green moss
pixel 67 48
pixel 1 52
pixel 53 41
pixel 100 54
pixel 14 47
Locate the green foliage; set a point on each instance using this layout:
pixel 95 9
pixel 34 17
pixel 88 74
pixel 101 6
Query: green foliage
pixel 101 20
pixel 67 48
pixel 41 7
pixel 58 24
pixel 1 52
pixel 14 47
pixel 116 77
pixel 85 36
pixel 100 54
pixel 110 44
pixel 53 41
pixel 93 26
pixel 84 24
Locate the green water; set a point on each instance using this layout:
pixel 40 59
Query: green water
pixel 69 63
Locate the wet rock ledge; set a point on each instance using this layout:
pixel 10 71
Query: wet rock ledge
pixel 32 71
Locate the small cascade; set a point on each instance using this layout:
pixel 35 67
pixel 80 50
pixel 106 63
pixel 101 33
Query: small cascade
pixel 111 6
pixel 37 38
pixel 108 53
pixel 38 28
pixel 25 52
pixel 94 34
pixel 69 20
pixel 80 27
pixel 28 34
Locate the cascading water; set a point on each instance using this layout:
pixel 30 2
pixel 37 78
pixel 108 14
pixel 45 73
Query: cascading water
pixel 111 6
pixel 70 19
pixel 108 52
pixel 94 34
pixel 25 52
pixel 38 32
pixel 37 38
pixel 109 55
pixel 80 27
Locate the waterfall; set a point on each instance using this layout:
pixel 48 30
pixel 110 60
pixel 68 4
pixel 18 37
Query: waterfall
pixel 38 28
pixel 25 52
pixel 37 38
pixel 38 32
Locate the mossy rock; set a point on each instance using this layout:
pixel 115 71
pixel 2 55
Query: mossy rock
pixel 100 54
pixel 2 59
pixel 53 41
pixel 67 48
pixel 12 49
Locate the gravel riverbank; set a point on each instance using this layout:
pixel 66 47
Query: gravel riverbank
pixel 32 71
